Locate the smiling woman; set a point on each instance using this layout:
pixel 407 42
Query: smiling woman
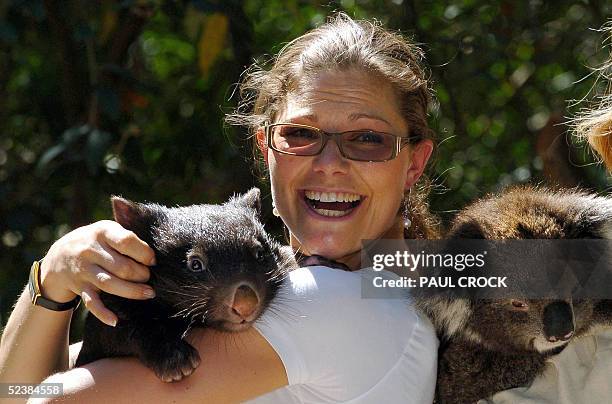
pixel 341 101
pixel 340 121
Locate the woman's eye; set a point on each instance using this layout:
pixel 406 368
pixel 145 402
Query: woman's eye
pixel 367 138
pixel 195 265
pixel 302 133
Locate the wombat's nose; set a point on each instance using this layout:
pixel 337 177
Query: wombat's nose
pixel 558 321
pixel 245 301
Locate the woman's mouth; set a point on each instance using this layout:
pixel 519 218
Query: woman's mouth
pixel 332 204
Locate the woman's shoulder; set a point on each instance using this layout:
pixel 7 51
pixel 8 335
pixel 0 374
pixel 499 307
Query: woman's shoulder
pixel 325 329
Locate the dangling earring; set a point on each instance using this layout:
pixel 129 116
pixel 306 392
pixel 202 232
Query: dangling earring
pixel 407 223
pixel 274 210
pixel 406 213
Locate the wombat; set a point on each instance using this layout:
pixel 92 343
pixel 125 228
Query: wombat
pixel 216 267
pixel 492 345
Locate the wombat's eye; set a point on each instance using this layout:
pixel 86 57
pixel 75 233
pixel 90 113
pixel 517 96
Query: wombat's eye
pixel 259 254
pixel 519 305
pixel 195 264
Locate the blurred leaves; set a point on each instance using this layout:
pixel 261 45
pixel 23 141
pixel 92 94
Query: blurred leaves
pixel 149 82
pixel 98 143
pixel 82 143
pixel 212 41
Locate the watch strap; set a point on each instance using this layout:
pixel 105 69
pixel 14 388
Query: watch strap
pixel 39 300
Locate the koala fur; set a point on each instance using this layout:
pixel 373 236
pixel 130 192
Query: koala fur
pixel 492 345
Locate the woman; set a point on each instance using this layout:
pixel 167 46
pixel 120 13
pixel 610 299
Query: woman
pixel 340 120
pixel 595 125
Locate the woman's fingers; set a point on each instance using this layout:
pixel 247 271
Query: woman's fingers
pixel 101 256
pixel 91 300
pixel 120 265
pixel 109 283
pixel 127 243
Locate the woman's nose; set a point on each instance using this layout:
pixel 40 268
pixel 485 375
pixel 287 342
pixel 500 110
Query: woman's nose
pixel 331 161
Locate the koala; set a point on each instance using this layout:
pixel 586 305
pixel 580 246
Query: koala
pixel 492 345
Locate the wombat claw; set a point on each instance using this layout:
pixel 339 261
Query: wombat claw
pixel 176 362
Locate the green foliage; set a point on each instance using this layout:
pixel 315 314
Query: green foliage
pixel 112 97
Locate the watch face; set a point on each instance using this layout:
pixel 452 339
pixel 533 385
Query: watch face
pixel 34 282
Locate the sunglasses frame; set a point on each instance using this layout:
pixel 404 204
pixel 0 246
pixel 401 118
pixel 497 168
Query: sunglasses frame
pixel 400 141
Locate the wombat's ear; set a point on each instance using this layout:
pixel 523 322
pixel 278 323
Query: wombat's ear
pixel 132 215
pixel 252 199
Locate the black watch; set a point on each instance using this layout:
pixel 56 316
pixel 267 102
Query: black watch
pixel 39 300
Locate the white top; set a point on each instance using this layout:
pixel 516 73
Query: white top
pixel 339 347
pixel 580 374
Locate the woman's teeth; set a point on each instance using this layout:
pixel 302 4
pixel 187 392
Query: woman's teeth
pixel 332 213
pixel 332 196
pixel 332 204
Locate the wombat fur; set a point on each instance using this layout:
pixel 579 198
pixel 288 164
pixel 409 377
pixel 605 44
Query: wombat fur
pixel 216 267
pixel 492 345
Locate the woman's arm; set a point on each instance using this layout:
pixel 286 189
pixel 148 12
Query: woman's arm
pixel 101 256
pixel 234 368
pixel 34 343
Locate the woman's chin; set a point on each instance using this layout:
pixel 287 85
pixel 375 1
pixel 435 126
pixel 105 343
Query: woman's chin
pixel 331 246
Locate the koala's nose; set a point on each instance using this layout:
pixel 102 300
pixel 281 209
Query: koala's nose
pixel 558 321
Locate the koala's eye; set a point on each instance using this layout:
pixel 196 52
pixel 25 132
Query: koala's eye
pixel 519 305
pixel 195 264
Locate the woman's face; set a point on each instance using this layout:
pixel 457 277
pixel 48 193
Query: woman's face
pixel 338 102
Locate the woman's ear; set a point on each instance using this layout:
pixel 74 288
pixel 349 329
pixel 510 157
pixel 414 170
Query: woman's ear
pixel 260 137
pixel 421 152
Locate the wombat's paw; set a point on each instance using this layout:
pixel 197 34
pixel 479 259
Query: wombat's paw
pixel 175 361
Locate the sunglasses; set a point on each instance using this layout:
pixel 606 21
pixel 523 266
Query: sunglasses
pixel 358 145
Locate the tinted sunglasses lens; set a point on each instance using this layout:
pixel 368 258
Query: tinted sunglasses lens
pixel 368 145
pixel 295 139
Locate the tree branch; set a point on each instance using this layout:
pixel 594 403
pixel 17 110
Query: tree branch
pixel 72 93
pixel 131 22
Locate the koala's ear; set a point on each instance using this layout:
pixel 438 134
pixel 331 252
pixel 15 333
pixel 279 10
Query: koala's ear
pixel 596 221
pixel 466 230
pixel 252 200
pixel 133 216
pixel 601 230
pixel 605 227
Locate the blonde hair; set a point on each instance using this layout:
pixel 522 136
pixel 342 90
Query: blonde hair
pixel 595 125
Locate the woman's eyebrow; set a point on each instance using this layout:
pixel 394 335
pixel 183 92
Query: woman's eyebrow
pixel 357 115
pixel 308 117
pixel 352 117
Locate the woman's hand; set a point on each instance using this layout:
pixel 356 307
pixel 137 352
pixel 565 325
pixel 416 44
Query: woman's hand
pixel 102 256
